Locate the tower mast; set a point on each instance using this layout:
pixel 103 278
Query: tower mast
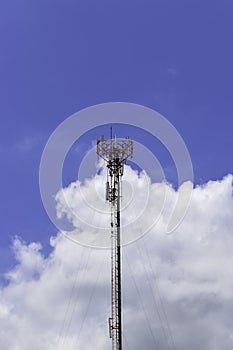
pixel 115 152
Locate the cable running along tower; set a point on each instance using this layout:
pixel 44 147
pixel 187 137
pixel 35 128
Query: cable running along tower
pixel 115 152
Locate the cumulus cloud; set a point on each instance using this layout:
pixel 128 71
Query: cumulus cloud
pixel 177 288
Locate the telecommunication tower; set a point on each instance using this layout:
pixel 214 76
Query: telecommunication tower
pixel 115 152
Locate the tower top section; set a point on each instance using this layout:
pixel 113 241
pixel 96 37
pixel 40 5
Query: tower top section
pixel 114 149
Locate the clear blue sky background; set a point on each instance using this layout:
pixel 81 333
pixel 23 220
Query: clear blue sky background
pixel 57 57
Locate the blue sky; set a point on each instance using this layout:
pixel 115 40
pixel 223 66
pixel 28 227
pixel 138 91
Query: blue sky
pixel 59 57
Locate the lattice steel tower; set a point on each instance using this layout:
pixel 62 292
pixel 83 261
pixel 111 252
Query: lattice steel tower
pixel 115 153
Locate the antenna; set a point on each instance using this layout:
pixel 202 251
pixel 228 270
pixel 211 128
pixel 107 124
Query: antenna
pixel 115 152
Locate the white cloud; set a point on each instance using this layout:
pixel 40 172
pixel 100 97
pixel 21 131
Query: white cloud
pixel 182 282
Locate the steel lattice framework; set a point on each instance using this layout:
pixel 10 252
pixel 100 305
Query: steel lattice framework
pixel 115 152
